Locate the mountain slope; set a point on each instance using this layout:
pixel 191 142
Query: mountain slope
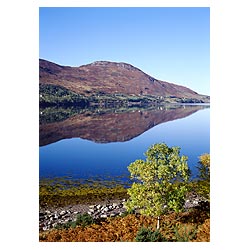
pixel 111 78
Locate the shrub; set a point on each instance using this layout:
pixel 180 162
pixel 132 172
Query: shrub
pixel 84 220
pixel 204 175
pixel 81 220
pixel 147 235
pixel 204 167
pixel 182 234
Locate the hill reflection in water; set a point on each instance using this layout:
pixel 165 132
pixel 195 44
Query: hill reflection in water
pixel 106 125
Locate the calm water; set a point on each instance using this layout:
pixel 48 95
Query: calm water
pixel 102 145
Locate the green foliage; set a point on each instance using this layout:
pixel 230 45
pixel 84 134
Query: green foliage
pixel 204 167
pixel 57 95
pixel 51 95
pixel 203 185
pixel 176 197
pixel 65 191
pixel 82 220
pixel 66 225
pixel 185 236
pixel 147 235
pixel 159 181
pixel 57 113
pixel 126 213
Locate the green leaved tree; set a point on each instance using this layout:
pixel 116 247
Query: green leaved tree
pixel 204 176
pixel 159 181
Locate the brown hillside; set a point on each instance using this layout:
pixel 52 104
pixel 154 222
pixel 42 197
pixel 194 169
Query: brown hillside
pixel 109 78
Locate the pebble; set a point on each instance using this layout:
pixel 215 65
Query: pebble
pixel 49 219
pixel 41 217
pixel 194 200
pixel 106 209
pixel 63 212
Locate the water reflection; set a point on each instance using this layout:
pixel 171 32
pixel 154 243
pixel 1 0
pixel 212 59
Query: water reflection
pixel 106 125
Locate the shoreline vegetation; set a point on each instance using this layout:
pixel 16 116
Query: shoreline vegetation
pixel 189 224
pixel 63 191
pixel 53 95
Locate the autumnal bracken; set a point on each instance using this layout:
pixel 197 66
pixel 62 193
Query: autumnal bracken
pixel 174 227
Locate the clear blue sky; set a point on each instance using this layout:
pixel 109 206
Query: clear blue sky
pixel 170 44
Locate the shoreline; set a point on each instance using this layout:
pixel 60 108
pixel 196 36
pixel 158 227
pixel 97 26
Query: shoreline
pixel 51 217
pixel 114 224
pixel 58 216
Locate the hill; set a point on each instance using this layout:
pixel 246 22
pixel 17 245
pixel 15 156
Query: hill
pixel 109 79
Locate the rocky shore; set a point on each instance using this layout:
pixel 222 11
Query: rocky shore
pixel 50 218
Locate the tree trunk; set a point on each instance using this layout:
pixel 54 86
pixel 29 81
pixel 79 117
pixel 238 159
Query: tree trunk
pixel 158 223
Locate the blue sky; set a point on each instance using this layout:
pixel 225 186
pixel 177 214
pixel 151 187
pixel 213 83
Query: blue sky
pixel 170 44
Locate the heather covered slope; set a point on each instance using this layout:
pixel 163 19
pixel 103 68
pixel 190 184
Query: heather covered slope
pixel 110 78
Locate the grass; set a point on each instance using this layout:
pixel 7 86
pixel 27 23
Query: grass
pixel 58 192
